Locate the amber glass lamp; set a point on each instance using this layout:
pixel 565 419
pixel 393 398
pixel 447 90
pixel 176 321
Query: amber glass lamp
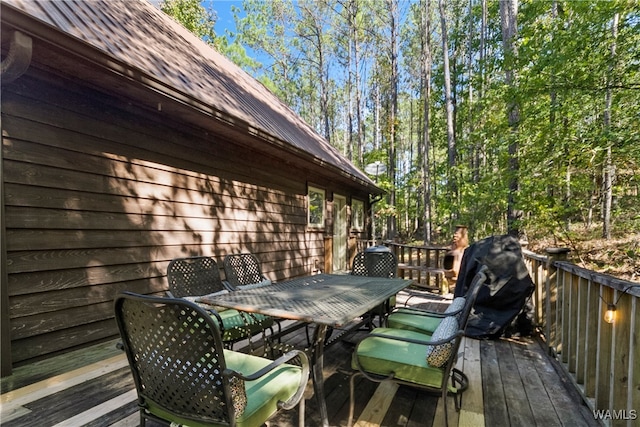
pixel 610 314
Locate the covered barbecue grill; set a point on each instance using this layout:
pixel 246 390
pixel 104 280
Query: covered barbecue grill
pixel 506 293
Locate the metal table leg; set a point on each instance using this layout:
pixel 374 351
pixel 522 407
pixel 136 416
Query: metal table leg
pixel 317 359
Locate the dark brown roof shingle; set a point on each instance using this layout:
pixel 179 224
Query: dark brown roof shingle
pixel 146 40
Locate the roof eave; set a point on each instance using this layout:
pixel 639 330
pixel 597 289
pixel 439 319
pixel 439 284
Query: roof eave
pixel 165 92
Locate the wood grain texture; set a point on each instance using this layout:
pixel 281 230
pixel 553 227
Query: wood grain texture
pixel 101 195
pixel 100 392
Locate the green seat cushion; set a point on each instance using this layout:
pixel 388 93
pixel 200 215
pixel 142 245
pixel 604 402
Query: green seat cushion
pixel 410 320
pixel 235 324
pixel 263 394
pixel 406 361
pixel 413 322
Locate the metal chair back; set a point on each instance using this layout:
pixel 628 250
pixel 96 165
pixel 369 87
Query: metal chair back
pixel 375 264
pixel 176 356
pixel 193 276
pixel 242 269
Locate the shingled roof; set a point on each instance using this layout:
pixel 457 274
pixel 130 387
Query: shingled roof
pixel 139 42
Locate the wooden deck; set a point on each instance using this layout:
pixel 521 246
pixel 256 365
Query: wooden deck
pixel 512 382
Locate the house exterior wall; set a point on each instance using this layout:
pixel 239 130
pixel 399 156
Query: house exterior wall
pixel 100 193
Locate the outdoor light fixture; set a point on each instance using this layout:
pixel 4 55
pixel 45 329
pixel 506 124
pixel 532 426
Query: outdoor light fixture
pixel 610 314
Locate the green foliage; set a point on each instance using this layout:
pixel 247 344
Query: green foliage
pixel 201 21
pixel 193 16
pixel 564 70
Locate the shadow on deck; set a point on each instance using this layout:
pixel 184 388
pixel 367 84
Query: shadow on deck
pixel 512 382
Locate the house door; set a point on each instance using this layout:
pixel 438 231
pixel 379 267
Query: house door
pixel 340 233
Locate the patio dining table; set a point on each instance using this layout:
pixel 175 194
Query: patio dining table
pixel 326 300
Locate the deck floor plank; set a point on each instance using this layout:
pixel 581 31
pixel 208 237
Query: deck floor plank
pixel 517 405
pixel 564 396
pixel 126 415
pixel 131 420
pixel 537 396
pixel 99 394
pixel 398 413
pixel 378 405
pixel 495 407
pixel 63 405
pixel 100 413
pixel 44 369
pixel 472 414
pixel 423 410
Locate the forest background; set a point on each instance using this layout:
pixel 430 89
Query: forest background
pixel 506 116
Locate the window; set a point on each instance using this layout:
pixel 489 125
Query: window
pixel 316 207
pixel 357 214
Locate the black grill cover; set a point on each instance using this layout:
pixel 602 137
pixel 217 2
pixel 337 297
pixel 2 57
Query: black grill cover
pixel 507 290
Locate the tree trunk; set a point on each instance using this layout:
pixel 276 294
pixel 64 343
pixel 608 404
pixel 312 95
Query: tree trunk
pixel 609 171
pixel 478 157
pixel 355 7
pixel 508 14
pixel 451 142
pixel 393 114
pixel 425 72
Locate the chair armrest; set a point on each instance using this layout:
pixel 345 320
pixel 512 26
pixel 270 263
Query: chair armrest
pixel 427 313
pixel 228 286
pixel 279 361
pixel 304 361
pixel 215 314
pixel 429 296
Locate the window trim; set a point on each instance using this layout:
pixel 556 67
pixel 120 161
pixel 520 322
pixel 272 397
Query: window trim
pixel 321 224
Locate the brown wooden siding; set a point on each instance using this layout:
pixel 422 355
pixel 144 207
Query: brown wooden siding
pixel 101 193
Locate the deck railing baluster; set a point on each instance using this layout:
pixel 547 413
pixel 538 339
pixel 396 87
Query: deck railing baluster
pixel 595 354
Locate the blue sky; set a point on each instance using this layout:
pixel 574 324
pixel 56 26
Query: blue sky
pixel 224 20
pixel 223 10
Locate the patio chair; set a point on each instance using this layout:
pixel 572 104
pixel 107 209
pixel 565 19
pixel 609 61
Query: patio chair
pixel 376 262
pixel 422 320
pixel 243 271
pixel 192 277
pixel 415 359
pixel 184 376
pixel 427 321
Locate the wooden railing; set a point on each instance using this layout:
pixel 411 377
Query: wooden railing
pixel 422 264
pixel 602 359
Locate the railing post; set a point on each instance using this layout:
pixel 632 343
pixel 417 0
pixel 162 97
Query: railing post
pixel 551 296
